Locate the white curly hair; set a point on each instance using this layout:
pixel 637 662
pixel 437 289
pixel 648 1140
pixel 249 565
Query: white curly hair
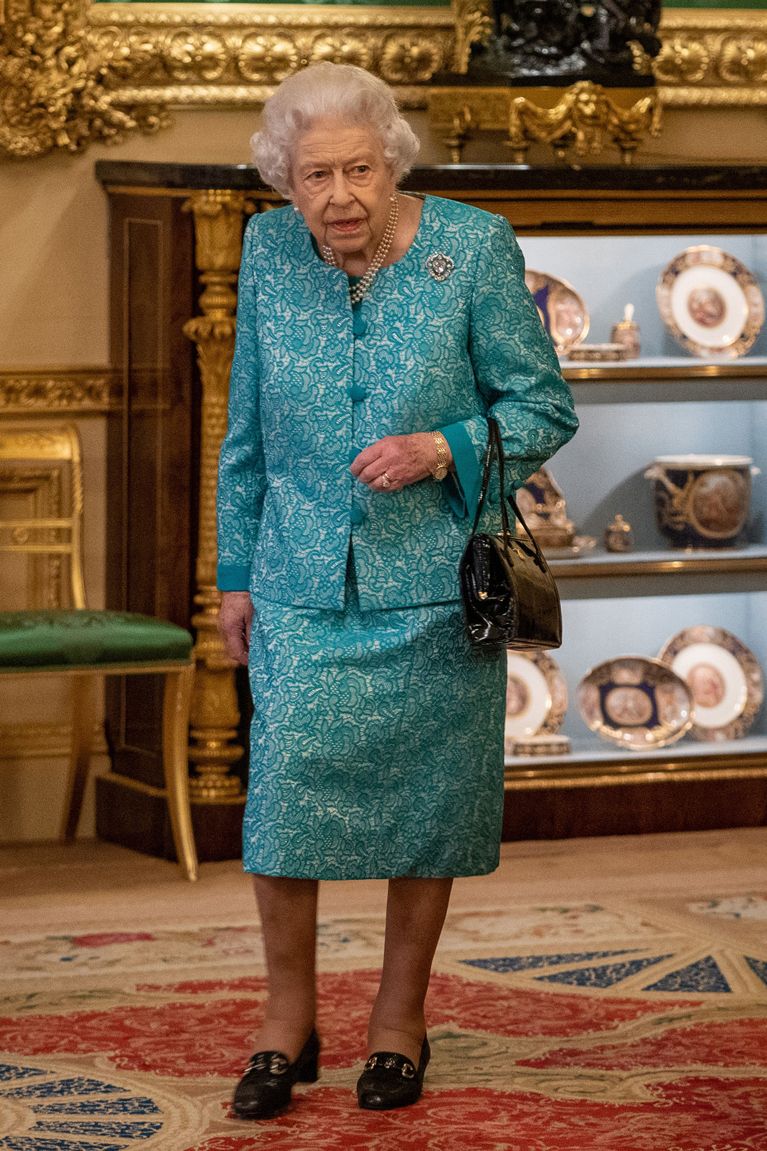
pixel 338 91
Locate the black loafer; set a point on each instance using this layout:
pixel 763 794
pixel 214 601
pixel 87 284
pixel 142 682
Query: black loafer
pixel 267 1083
pixel 391 1080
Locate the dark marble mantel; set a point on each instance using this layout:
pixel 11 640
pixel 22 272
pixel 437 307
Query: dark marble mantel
pixel 466 178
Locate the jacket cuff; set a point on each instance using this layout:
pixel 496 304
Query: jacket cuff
pixel 462 486
pixel 233 577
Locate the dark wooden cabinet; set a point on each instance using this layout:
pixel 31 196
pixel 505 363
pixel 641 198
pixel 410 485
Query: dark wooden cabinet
pixel 151 474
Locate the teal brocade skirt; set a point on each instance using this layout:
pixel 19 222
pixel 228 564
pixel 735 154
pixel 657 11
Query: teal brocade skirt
pixel 376 744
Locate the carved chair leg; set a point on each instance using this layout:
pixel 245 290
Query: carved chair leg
pixel 83 718
pixel 175 723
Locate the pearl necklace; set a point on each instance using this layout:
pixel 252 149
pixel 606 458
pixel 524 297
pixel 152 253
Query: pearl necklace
pixel 361 289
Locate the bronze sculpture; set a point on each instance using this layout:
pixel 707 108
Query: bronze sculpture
pixel 559 42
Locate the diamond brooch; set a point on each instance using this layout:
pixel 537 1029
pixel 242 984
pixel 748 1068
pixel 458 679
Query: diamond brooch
pixel 440 266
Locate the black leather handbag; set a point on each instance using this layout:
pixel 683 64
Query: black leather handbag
pixel 509 595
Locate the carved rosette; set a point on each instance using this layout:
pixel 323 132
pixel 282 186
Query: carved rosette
pixel 218 217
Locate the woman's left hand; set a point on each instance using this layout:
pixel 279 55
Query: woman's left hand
pixel 396 461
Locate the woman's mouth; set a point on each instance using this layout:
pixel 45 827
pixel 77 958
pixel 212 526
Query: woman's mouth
pixel 345 225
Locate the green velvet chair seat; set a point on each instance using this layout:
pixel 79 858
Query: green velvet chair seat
pixel 88 639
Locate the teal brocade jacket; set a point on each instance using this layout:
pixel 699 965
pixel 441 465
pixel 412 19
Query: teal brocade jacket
pixel 312 384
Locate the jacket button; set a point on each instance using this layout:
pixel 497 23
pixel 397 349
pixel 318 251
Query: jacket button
pixel 357 392
pixel 357 516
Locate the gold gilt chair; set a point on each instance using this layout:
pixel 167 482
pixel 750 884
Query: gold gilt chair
pixel 41 472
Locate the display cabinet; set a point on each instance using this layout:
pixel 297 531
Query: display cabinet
pixel 609 232
pixel 666 402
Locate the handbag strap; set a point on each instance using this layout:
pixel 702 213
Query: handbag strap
pixel 495 451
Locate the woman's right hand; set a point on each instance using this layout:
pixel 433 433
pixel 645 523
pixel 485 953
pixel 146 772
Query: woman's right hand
pixel 235 617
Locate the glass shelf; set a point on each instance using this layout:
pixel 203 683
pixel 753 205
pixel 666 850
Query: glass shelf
pixel 593 762
pixel 603 564
pixel 650 368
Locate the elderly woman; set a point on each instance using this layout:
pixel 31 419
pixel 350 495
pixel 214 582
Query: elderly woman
pixel 376 331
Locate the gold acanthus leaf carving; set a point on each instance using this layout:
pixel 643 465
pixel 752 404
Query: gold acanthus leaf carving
pixel 473 25
pixel 53 84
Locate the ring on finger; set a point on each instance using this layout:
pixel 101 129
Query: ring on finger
pixel 385 480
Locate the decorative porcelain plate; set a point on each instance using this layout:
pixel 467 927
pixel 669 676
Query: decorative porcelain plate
pixel 561 309
pixel 636 702
pixel 710 302
pixel 724 677
pixel 536 696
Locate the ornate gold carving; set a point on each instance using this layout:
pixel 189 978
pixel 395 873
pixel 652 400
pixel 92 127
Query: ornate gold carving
pixel 743 60
pixel 43 741
pixel 74 72
pixel 682 60
pixel 74 391
pixel 472 26
pixel 460 133
pixel 584 116
pixel 214 715
pixel 713 58
pixel 33 492
pixel 54 86
pixel 407 60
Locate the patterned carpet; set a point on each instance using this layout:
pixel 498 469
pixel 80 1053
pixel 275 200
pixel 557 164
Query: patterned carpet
pixel 581 1027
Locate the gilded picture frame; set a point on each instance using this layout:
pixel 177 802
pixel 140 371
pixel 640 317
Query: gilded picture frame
pixel 76 71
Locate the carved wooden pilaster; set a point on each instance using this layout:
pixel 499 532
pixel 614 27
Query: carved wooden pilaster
pixel 215 715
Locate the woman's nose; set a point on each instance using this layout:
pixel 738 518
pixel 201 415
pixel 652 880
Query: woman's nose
pixel 341 193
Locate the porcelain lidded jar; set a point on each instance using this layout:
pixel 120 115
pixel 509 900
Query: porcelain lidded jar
pixel 702 501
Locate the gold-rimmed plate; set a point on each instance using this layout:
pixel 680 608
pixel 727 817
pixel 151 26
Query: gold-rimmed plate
pixel 710 302
pixel 636 702
pixel 536 697
pixel 563 312
pixel 724 677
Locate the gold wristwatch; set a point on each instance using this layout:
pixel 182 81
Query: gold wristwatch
pixel 443 456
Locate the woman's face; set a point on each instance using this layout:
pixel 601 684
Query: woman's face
pixel 342 186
